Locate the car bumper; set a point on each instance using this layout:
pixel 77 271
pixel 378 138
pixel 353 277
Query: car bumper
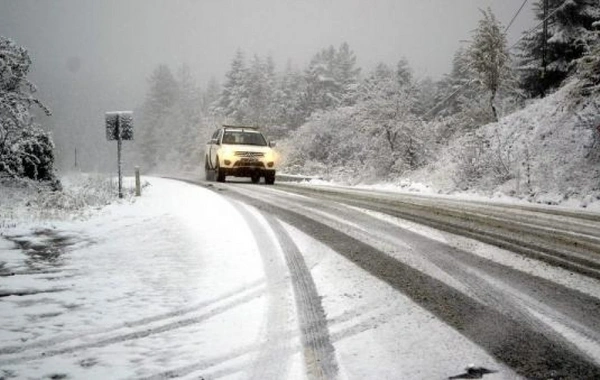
pixel 247 169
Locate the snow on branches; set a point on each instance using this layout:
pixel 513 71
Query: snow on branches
pixel 488 57
pixel 25 149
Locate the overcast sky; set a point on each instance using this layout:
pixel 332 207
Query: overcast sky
pixel 93 54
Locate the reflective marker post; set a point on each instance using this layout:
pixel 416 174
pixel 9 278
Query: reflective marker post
pixel 119 126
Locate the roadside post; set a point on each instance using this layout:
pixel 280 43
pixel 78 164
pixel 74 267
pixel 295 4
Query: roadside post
pixel 138 187
pixel 119 127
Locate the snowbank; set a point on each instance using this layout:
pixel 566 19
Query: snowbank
pixel 547 153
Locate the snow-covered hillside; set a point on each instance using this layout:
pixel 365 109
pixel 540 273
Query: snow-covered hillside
pixel 548 152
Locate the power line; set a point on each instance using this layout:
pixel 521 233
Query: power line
pixel 471 81
pixel 448 97
pixel 538 25
pixel 515 16
pixel 510 48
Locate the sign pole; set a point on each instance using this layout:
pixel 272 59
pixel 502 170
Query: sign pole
pixel 119 126
pixel 119 143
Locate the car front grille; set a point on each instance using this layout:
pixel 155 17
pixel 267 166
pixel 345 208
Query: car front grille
pixel 249 154
pixel 250 164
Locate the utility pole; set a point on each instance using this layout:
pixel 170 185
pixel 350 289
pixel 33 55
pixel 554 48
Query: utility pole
pixel 75 157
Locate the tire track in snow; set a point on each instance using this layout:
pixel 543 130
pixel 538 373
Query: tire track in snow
pixel 271 362
pixel 129 324
pixel 540 242
pixel 140 333
pixel 319 353
pixel 529 351
pixel 469 269
pixel 499 286
pixel 218 367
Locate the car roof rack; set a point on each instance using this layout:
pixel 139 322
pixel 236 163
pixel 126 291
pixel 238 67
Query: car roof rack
pixel 240 127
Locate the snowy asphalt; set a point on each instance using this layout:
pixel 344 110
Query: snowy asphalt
pixel 238 281
pixel 500 312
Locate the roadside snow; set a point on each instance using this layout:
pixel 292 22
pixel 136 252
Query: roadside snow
pixel 184 282
pixel 415 188
pixel 545 153
pixel 172 279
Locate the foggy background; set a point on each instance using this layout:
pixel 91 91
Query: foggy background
pixel 93 56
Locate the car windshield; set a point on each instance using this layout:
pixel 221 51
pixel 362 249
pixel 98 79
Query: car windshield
pixel 244 138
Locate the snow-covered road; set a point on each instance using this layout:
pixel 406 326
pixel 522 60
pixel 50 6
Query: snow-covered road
pixel 240 281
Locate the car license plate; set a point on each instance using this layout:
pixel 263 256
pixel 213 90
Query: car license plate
pixel 249 159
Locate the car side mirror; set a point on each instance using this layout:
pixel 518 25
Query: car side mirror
pixel 272 144
pixel 214 141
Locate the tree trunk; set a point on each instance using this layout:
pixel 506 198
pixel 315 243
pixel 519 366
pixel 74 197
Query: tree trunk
pixel 494 112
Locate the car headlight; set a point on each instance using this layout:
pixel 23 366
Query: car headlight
pixel 227 154
pixel 271 156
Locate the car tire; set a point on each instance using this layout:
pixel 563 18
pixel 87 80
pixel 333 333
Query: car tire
pixel 270 178
pixel 209 174
pixel 219 173
pixel 255 178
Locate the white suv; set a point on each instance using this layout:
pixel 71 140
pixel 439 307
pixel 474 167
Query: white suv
pixel 240 152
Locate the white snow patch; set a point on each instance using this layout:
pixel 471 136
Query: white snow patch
pixel 178 266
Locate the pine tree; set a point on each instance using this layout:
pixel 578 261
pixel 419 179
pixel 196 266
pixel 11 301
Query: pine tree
pixel 588 70
pixel 154 126
pixel 288 102
pixel 346 73
pixel 186 144
pixel 322 89
pixel 210 95
pixel 331 78
pixel 570 33
pixel 233 102
pixel 260 83
pixel 403 72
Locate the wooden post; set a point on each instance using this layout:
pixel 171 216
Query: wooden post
pixel 138 187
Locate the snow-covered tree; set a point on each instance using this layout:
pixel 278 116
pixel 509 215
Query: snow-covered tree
pixel 210 95
pixel 331 78
pixel 288 100
pixel 387 108
pixel 154 125
pixel 260 84
pixel 588 70
pixel 488 58
pixel 455 87
pixel 25 149
pixel 404 73
pixel 570 35
pixel 173 124
pixel 233 102
pixel 186 144
pixel 323 92
pixel 346 73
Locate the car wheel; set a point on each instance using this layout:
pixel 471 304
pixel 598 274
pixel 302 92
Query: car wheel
pixel 208 173
pixel 219 173
pixel 270 178
pixel 255 178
